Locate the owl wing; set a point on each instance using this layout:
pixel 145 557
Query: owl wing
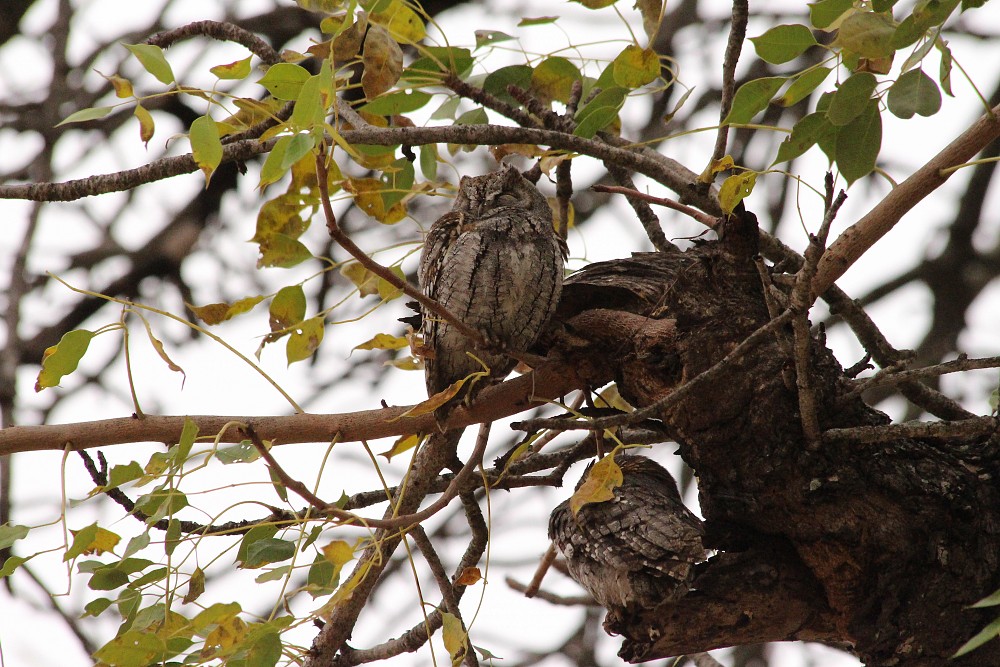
pixel 636 550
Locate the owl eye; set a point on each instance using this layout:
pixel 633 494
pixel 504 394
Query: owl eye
pixel 507 199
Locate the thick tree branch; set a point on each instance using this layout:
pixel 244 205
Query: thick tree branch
pixel 862 235
pixel 548 382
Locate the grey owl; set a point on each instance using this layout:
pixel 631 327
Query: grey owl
pixel 633 552
pixel 496 262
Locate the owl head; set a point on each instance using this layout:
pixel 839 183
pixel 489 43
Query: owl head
pixel 488 194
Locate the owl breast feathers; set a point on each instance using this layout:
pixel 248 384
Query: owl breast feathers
pixel 635 551
pixel 495 262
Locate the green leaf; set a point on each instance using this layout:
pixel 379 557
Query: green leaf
pixel 487 37
pixel 136 544
pixel 134 648
pixel 82 539
pixel 10 533
pixel 206 148
pixel 428 161
pixel 783 43
pixel 308 111
pixel 287 308
pixel 91 113
pixel 803 86
pixel 822 14
pixel 304 340
pixel 986 634
pixel 991 600
pixel 600 112
pixel 284 80
pixel 265 651
pixel 851 98
pixel 944 74
pixel 805 134
pixel 752 98
pixel 243 452
pixel 859 142
pixel 173 536
pixel 266 551
pixel 496 82
pixel 239 69
pixel 398 102
pixel 62 358
pixel 538 20
pixel 634 67
pixel 11 564
pixel 867 34
pixel 152 60
pixel 123 474
pixel 914 93
pixel 475 116
pixel 553 79
pixel 439 59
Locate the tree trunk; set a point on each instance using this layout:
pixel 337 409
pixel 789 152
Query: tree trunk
pixel 876 548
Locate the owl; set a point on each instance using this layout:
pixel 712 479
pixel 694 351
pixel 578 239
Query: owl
pixel 635 551
pixel 496 262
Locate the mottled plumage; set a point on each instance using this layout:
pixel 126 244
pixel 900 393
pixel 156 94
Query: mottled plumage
pixel 635 551
pixel 496 262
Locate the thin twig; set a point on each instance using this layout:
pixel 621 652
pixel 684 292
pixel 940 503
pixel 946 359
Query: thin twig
pixel 894 375
pixel 705 219
pixel 737 33
pixel 800 302
pixel 287 480
pixel 543 566
pixel 649 220
pixel 564 600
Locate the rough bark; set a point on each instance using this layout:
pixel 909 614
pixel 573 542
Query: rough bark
pixel 875 547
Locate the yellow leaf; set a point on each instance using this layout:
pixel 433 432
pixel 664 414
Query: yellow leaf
pixel 402 23
pixel 226 635
pixel 215 313
pixel 735 188
pixel 401 445
pixel 104 541
pixel 338 553
pixel 146 125
pixel 635 67
pixel 724 163
pixel 384 342
pixel 604 477
pixel 456 639
pixel 363 279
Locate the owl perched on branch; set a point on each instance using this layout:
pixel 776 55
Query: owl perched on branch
pixel 636 550
pixel 496 262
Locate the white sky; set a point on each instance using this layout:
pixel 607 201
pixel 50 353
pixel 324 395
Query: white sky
pixel 217 383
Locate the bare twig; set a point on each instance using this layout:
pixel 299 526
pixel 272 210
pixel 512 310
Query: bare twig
pixel 630 192
pixel 737 33
pixel 564 600
pixel 894 375
pixel 543 566
pixel 800 302
pixel 863 234
pixel 649 220
pixel 226 32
